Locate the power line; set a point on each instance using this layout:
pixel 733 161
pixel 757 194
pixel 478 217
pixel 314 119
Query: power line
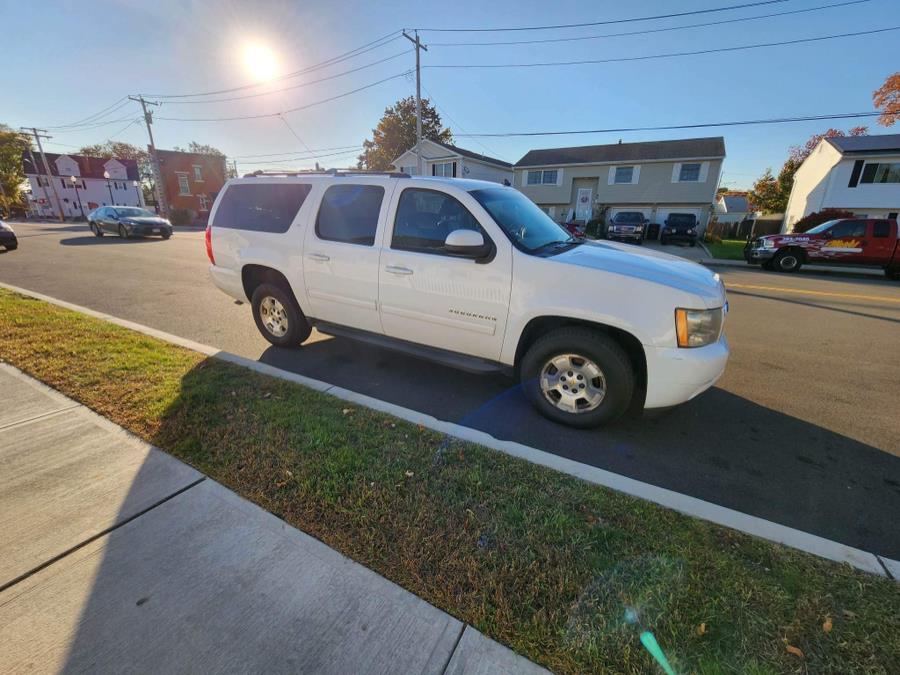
pixel 603 23
pixel 295 86
pixel 454 122
pixel 276 154
pixel 97 115
pixel 343 153
pixel 91 127
pixel 369 46
pixel 277 114
pixel 649 30
pixel 776 120
pixel 648 57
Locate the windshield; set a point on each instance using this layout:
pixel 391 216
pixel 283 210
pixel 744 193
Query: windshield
pixel 681 219
pixel 819 229
pixel 629 217
pixel 520 218
pixel 133 212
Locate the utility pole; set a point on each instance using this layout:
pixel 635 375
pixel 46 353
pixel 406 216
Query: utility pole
pixel 38 135
pixel 34 164
pixel 419 46
pixel 160 189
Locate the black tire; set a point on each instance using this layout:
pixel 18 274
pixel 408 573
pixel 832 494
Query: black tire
pixel 594 345
pixel 892 273
pixel 767 265
pixel 693 243
pixel 787 261
pixel 96 230
pixel 298 328
pixel 166 235
pixel 123 233
pixel 663 241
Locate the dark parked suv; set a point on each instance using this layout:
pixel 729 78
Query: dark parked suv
pixel 8 237
pixel 627 226
pixel 679 227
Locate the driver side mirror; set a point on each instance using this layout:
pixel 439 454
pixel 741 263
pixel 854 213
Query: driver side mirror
pixel 469 244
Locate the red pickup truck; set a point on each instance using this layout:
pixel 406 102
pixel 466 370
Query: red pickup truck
pixel 845 241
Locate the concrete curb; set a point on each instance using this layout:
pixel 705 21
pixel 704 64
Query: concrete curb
pixel 822 269
pixel 691 506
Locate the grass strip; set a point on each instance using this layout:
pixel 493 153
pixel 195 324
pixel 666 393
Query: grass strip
pixel 566 573
pixel 727 249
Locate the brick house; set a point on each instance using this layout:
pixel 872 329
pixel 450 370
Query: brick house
pixel 191 180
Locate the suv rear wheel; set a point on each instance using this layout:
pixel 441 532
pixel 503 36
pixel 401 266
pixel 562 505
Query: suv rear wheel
pixel 578 376
pixel 277 316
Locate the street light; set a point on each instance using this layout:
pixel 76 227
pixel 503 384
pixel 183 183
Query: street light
pixel 137 192
pixel 75 185
pixel 111 200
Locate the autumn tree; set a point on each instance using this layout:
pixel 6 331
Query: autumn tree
pixel 887 99
pixel 766 195
pixel 201 149
pixel 12 175
pixel 396 133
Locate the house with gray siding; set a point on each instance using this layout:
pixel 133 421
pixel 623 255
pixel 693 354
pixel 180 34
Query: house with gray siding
pixel 451 161
pixel 656 178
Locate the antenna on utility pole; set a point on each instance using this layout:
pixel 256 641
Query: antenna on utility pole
pixel 159 188
pixel 38 135
pixel 419 47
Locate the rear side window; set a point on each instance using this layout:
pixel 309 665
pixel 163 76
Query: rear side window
pixel 262 207
pixel 349 213
pixel 425 218
pixel 882 228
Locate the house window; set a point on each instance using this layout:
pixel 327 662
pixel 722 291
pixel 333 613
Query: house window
pixel 544 177
pixel 624 174
pixel 444 169
pixel 689 173
pixel 410 170
pixel 881 172
pixel 204 202
pixel 184 188
pixel 198 175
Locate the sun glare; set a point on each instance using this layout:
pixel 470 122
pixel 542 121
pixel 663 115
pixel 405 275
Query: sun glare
pixel 260 62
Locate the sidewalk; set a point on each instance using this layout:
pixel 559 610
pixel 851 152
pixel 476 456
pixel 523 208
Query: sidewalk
pixel 116 556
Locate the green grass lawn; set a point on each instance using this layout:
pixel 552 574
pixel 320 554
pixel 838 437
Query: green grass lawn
pixel 566 573
pixel 729 249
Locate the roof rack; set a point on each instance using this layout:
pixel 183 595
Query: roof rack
pixel 329 172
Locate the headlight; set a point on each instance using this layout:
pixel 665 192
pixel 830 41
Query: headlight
pixel 698 327
pixel 690 230
pixel 768 243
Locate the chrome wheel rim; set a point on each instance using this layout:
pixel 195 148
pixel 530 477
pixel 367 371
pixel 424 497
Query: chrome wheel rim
pixel 788 262
pixel 573 383
pixel 273 316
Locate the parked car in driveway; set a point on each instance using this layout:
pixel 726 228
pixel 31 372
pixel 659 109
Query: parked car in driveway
pixel 679 227
pixel 128 221
pixel 627 226
pixel 8 238
pixel 473 275
pixel 867 242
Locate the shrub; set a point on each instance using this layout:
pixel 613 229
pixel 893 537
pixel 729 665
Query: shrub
pixel 182 216
pixel 712 238
pixel 809 222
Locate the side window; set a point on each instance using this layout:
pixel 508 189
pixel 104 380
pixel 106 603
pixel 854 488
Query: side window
pixel 425 218
pixel 882 229
pixel 849 228
pixel 262 207
pixel 349 213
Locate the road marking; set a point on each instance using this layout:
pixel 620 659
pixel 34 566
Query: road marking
pixel 691 506
pixel 799 291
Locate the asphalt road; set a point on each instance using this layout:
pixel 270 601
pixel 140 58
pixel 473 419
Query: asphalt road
pixel 803 428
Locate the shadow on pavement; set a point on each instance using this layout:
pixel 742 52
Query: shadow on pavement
pixel 106 240
pixel 815 306
pixel 719 447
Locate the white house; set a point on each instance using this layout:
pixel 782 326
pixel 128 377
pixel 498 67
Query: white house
pixel 860 174
pixel 731 207
pixel 90 189
pixel 450 161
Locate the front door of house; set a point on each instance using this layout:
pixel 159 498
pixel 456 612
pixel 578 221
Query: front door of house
pixel 584 203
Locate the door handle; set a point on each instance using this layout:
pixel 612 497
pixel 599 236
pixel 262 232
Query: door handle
pixel 321 257
pixel 396 269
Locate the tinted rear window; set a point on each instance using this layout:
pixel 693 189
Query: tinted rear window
pixel 349 213
pixel 264 207
pixel 681 219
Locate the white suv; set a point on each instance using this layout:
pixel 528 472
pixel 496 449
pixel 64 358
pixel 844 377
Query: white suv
pixel 471 274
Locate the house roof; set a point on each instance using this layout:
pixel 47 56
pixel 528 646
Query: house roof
pixel 626 152
pixel 474 155
pixel 90 167
pixel 736 203
pixel 879 143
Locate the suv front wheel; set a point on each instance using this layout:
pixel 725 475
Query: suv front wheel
pixel 578 376
pixel 277 316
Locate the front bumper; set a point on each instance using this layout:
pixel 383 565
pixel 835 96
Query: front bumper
pixel 758 255
pixel 8 239
pixel 677 375
pixel 149 230
pixel 678 236
pixel 633 236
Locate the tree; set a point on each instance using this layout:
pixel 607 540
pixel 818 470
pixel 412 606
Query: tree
pixel 887 99
pixel 201 149
pixel 12 174
pixel 396 133
pixel 807 223
pixel 766 195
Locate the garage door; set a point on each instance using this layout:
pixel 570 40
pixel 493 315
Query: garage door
pixel 663 213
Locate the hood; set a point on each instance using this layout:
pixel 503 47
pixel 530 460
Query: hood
pixel 649 266
pixel 145 220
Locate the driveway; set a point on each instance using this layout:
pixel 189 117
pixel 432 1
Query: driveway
pixel 802 428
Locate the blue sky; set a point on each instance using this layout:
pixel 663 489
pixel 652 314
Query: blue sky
pixel 73 59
